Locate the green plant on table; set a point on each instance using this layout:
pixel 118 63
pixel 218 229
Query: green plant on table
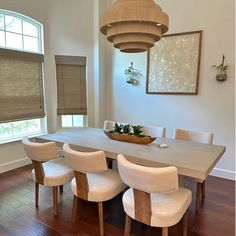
pixel 137 130
pixel 117 128
pixel 126 129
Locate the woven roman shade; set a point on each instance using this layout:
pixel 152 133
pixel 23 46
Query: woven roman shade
pixel 71 85
pixel 21 86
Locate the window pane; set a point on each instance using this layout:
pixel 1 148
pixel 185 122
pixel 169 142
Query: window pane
pixel 5 130
pixel 14 40
pixel 78 120
pixel 1 22
pixel 66 121
pixel 31 44
pixel 2 38
pixel 33 126
pixel 19 128
pixel 30 29
pixel 13 24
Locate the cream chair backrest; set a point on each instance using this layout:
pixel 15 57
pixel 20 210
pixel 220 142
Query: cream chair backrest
pixel 200 137
pixel 85 162
pixel 148 179
pixel 154 131
pixel 108 125
pixel 40 151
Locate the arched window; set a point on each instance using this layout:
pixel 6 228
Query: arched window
pixel 21 75
pixel 20 32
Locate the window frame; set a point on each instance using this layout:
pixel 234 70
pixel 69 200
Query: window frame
pixel 85 121
pixel 30 20
pixel 14 138
pixel 40 41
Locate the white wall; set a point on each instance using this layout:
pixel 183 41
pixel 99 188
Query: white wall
pixel 70 33
pixel 68 30
pixel 100 64
pixel 213 109
pixel 71 28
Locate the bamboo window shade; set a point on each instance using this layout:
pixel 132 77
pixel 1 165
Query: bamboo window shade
pixel 71 85
pixel 21 85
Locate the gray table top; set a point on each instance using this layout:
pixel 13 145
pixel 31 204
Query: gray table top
pixel 192 159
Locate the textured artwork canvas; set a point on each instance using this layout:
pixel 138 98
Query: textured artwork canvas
pixel 174 64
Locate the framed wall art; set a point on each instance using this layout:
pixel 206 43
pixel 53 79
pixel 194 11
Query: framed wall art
pixel 174 64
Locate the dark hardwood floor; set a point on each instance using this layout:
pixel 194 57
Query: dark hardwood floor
pixel 19 217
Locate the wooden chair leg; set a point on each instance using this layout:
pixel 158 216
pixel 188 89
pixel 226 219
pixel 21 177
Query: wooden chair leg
pixel 36 195
pixel 165 231
pixel 61 188
pixel 100 216
pixel 203 189
pixel 55 197
pixel 185 223
pixel 128 221
pixel 74 209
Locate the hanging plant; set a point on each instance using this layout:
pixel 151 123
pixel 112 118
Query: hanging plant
pixel 132 75
pixel 221 74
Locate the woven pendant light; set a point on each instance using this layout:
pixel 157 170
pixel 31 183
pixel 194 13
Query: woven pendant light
pixel 134 25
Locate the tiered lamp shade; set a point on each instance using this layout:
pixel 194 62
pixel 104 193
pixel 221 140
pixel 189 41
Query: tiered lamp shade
pixel 134 25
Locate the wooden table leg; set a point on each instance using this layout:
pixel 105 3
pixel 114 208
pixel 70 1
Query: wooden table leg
pixel 109 163
pixel 198 196
pixel 181 180
pixel 61 189
pixel 203 189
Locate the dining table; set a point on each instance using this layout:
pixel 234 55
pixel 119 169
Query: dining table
pixel 193 160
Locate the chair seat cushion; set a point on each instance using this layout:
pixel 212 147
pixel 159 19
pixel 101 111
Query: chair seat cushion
pixel 103 186
pixel 167 209
pixel 56 172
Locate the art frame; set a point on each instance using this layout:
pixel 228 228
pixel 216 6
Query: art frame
pixel 164 74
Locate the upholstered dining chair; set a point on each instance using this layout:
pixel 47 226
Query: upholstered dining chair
pixel 154 131
pixel 93 181
pixel 195 136
pixel 154 197
pixel 108 125
pixel 49 170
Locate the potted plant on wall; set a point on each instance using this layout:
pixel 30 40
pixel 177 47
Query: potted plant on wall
pixel 132 75
pixel 221 70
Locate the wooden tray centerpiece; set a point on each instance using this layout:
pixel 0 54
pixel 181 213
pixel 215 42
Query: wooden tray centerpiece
pixel 128 133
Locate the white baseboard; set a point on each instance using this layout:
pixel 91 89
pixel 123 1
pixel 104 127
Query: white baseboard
pixel 226 174
pixel 14 164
